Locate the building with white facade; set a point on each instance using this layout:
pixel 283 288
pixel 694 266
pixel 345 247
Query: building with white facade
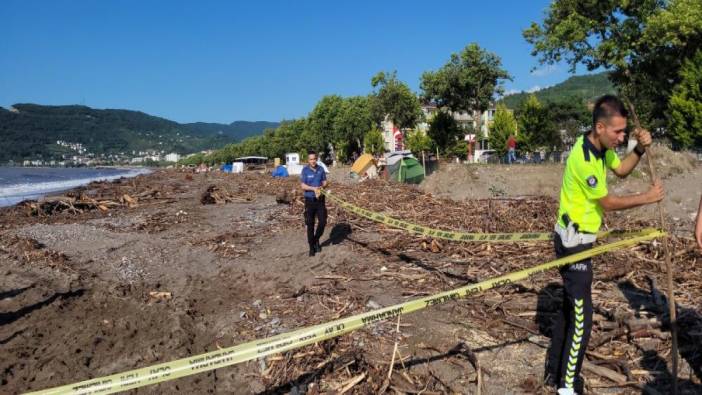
pixel 172 157
pixel 393 142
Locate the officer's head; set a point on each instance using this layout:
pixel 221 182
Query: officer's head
pixel 312 158
pixel 609 121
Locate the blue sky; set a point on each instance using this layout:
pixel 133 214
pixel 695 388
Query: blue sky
pixel 262 60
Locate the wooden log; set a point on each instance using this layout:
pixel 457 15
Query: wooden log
pixel 605 372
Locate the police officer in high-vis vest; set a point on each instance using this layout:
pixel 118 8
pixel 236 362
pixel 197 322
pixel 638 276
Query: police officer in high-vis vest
pixel 584 199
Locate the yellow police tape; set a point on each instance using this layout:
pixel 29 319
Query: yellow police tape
pixel 462 236
pixel 302 337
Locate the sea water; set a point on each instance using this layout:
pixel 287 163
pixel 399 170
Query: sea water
pixel 22 183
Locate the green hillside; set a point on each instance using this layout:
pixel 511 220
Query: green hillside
pixel 238 130
pixel 580 88
pixel 31 131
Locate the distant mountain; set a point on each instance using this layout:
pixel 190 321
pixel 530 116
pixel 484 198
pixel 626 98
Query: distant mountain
pixel 237 130
pixel 31 131
pixel 581 87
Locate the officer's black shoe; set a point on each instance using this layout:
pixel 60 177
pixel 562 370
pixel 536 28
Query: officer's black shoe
pixel 317 247
pixel 312 250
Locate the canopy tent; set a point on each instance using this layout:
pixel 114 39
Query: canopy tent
pixel 393 157
pixel 406 169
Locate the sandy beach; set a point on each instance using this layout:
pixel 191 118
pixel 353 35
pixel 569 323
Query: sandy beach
pixel 158 275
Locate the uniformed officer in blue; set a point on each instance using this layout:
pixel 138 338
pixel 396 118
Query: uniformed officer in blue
pixel 312 179
pixel 583 201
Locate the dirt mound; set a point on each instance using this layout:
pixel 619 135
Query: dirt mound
pixel 670 163
pixel 460 181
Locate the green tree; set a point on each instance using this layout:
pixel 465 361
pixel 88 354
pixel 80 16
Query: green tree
pixel 322 122
pixel 287 138
pixel 444 130
pixel 570 118
pixel 458 149
pixel 468 82
pixel 504 124
pixel 535 130
pixel 686 105
pixel 419 142
pixel 394 99
pixel 194 159
pixel 352 123
pixel 373 142
pixel 644 42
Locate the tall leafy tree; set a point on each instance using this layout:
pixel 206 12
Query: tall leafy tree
pixel 419 142
pixel 686 105
pixel 394 99
pixel 644 42
pixel 503 125
pixel 571 117
pixel 467 82
pixel 373 142
pixel 352 123
pixel 535 130
pixel 322 122
pixel 444 130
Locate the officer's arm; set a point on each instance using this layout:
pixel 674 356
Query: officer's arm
pixel 627 165
pixel 306 187
pixel 614 202
pixel 643 138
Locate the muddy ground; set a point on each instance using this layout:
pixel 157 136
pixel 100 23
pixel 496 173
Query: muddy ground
pixel 75 298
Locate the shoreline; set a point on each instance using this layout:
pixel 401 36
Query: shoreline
pixel 36 191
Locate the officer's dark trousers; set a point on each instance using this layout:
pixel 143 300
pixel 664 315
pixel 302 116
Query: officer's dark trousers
pixel 315 208
pixel 571 331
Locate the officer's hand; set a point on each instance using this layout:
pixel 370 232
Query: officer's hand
pixel 643 136
pixel 656 192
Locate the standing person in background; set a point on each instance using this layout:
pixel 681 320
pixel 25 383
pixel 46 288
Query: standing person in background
pixel 312 179
pixel 583 200
pixel 698 226
pixel 511 149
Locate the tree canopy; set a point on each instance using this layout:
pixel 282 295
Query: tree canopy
pixel 644 42
pixel 418 142
pixel 536 131
pixel 444 130
pixel 467 82
pixel 686 105
pixel 503 125
pixel 395 99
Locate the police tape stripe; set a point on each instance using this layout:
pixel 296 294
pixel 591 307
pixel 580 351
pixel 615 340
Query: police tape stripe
pixel 292 340
pixel 462 236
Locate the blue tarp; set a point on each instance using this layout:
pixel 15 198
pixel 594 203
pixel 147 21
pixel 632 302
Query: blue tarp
pixel 227 168
pixel 280 171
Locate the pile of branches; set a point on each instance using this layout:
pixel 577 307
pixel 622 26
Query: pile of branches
pixel 30 251
pixel 72 205
pixel 630 341
pixel 103 196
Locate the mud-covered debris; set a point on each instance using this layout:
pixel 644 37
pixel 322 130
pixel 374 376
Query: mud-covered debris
pixel 160 295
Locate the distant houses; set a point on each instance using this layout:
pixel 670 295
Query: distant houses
pixel 172 157
pixel 394 137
